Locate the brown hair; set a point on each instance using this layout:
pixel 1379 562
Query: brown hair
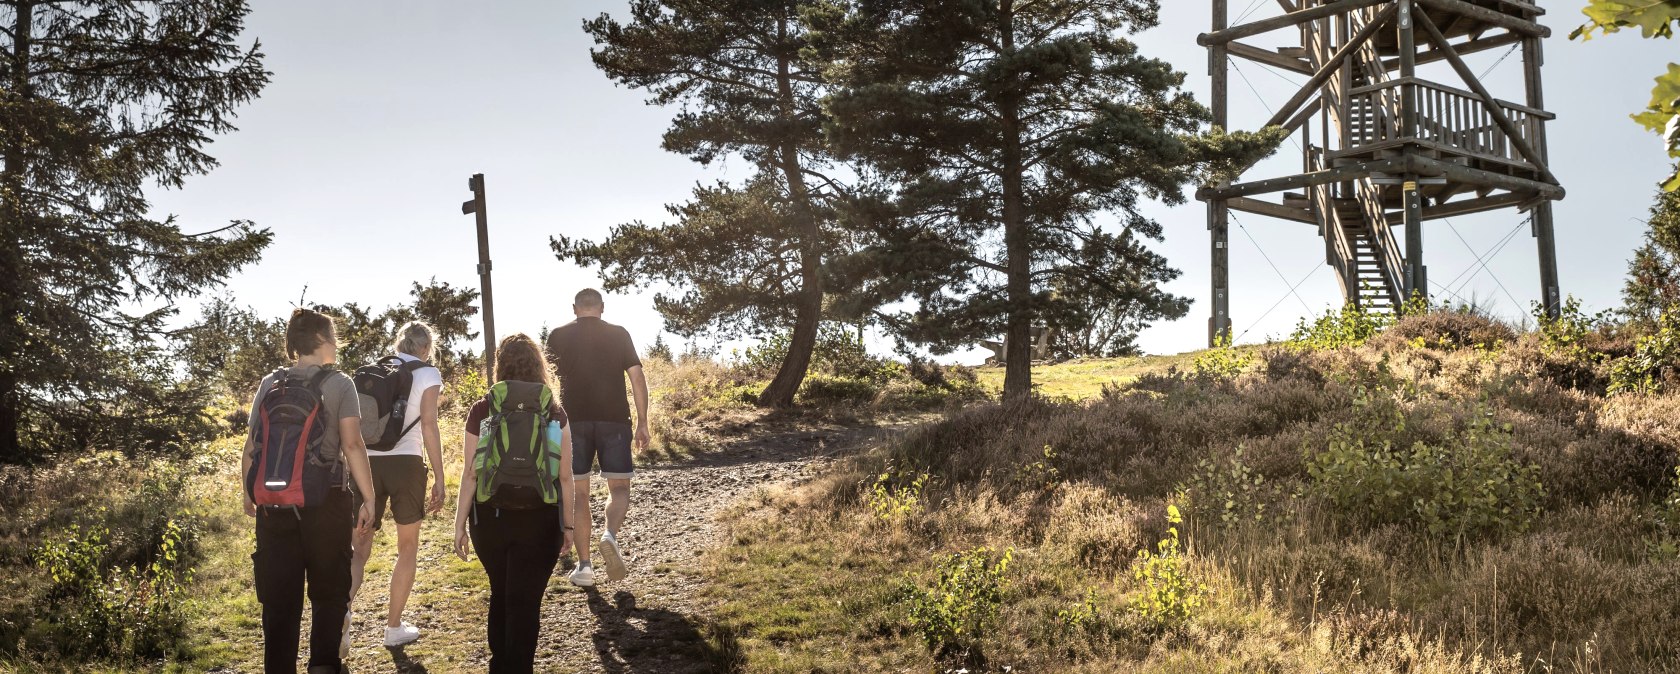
pixel 519 358
pixel 588 298
pixel 307 331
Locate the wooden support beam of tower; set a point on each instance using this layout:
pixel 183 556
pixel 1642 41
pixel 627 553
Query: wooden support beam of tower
pixel 1330 175
pixel 1267 208
pixel 1268 57
pixel 1463 48
pixel 1331 66
pixel 1494 110
pixel 1291 19
pixel 1485 15
pixel 1459 172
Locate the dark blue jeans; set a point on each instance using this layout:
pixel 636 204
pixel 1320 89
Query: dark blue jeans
pixel 608 441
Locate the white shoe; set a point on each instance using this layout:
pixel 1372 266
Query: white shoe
pixel 344 639
pixel 401 636
pixel 613 557
pixel 583 576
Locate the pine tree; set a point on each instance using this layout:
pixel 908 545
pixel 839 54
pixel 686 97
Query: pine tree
pixel 100 100
pixel 1653 284
pixel 1010 128
pixel 735 67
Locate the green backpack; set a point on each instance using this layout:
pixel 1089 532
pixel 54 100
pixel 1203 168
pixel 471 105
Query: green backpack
pixel 518 457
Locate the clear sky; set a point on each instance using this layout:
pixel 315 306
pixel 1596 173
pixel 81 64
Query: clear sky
pixel 357 157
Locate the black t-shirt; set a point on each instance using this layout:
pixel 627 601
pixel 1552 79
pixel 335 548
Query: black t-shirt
pixel 591 355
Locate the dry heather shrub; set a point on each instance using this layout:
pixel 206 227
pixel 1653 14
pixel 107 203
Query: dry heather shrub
pixel 1095 529
pixel 1445 330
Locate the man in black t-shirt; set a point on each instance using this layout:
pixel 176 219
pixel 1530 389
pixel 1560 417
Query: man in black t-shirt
pixel 592 356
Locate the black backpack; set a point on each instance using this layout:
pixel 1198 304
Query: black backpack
pixel 383 387
pixel 289 467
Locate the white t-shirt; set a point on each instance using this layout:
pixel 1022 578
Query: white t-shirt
pixel 413 442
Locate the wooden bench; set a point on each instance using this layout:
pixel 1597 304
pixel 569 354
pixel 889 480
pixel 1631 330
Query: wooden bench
pixel 1039 349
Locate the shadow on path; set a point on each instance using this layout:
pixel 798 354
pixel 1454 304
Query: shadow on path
pixel 633 639
pixel 404 663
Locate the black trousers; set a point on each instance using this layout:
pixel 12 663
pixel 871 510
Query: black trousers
pixel 309 544
pixel 519 549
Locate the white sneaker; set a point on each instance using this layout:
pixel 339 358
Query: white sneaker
pixel 613 557
pixel 583 576
pixel 344 639
pixel 401 636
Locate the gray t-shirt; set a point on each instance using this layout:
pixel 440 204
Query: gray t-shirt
pixel 338 402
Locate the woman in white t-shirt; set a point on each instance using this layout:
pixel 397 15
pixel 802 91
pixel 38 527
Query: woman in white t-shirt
pixel 399 478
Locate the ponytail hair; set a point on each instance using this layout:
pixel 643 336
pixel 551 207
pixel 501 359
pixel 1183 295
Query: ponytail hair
pixel 415 339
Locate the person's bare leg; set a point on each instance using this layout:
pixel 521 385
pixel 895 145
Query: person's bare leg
pixel 618 503
pixel 363 546
pixel 402 575
pixel 582 518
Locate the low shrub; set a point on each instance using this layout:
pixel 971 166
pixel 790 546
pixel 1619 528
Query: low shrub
pixel 1229 492
pixel 832 390
pixel 1222 362
pixel 1654 366
pixel 1448 329
pixel 1351 326
pixel 96 608
pixel 954 612
pixel 1169 596
pixel 894 498
pixel 1466 484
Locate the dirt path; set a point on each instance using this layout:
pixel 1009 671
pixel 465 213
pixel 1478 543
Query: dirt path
pixel 651 622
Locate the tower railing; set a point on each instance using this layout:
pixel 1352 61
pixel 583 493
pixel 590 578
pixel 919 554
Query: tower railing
pixel 1448 118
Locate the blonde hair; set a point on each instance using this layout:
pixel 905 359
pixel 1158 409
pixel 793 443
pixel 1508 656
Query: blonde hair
pixel 415 339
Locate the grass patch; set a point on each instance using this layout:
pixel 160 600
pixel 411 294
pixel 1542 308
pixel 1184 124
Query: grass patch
pixel 1457 498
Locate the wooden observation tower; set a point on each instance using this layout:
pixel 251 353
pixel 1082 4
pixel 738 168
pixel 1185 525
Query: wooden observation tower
pixel 1384 148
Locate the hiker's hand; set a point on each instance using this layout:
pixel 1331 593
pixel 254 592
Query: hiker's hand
pixel 566 541
pixel 643 437
pixel 250 507
pixel 463 543
pixel 364 519
pixel 436 503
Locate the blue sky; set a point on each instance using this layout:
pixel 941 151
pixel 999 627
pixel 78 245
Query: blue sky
pixel 358 153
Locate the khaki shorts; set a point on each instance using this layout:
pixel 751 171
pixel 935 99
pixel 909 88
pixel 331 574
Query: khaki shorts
pixel 401 480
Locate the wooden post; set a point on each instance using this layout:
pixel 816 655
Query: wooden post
pixel 476 207
pixel 1550 295
pixel 1408 68
pixel 1219 226
pixel 1417 275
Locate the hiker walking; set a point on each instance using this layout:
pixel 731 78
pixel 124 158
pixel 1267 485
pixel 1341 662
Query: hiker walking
pixel 592 357
pixel 518 474
pixel 399 400
pixel 305 431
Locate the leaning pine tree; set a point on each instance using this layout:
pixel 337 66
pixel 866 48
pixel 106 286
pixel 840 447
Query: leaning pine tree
pixel 750 257
pixel 98 100
pixel 1013 130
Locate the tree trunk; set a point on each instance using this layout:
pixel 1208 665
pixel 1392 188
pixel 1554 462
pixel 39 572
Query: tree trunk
pixel 11 258
pixel 808 308
pixel 1017 355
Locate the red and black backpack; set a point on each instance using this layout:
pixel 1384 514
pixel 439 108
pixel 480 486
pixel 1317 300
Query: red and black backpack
pixel 289 467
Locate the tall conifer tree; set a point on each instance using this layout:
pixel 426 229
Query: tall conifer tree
pixel 99 100
pixel 1011 128
pixel 735 67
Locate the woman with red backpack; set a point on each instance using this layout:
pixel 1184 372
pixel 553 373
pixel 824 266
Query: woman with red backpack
pixel 518 472
pixel 305 436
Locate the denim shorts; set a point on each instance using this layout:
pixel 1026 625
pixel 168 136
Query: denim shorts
pixel 608 441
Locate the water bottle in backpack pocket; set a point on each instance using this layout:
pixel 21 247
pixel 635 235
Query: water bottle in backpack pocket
pixel 518 458
pixel 289 467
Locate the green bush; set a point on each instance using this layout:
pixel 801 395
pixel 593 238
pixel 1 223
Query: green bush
pixel 827 389
pixel 125 613
pixel 1222 361
pixel 1655 362
pixel 839 351
pixel 1352 326
pixel 1468 484
pixel 892 503
pixel 963 601
pixel 1229 492
pixel 1169 596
